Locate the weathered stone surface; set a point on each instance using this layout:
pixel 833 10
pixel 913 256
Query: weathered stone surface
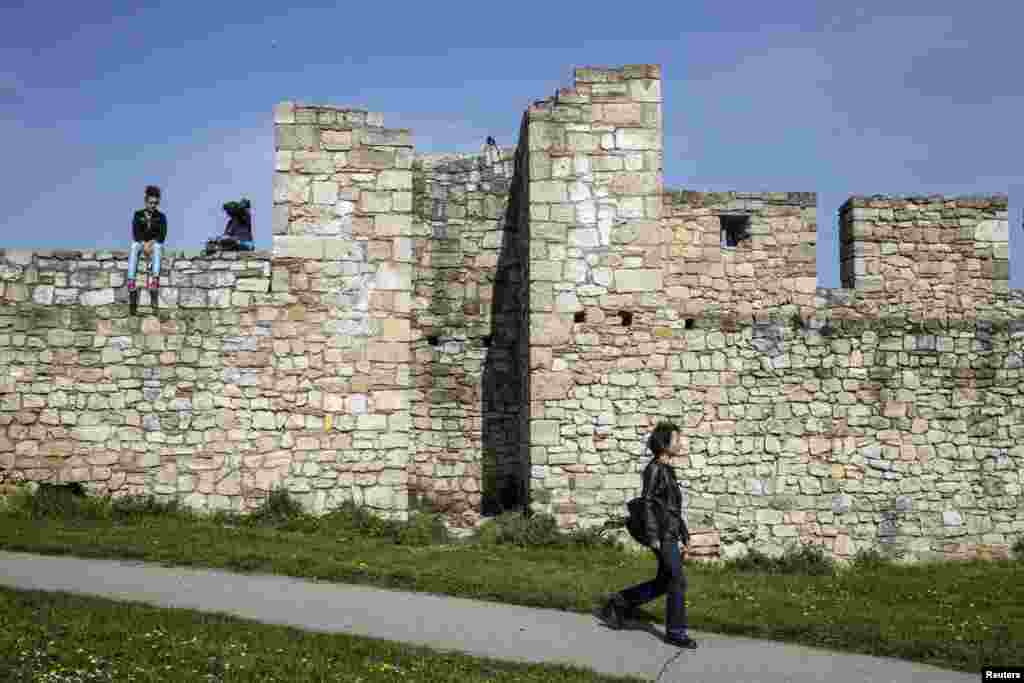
pixel 637 280
pixel 475 326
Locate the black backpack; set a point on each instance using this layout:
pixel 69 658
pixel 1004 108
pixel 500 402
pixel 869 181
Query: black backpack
pixel 636 518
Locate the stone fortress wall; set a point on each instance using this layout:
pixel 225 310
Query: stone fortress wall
pixel 492 329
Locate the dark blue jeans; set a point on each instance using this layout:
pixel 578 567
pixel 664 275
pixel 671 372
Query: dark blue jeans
pixel 671 582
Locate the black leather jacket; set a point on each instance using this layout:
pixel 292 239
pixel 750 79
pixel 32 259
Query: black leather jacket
pixel 664 503
pixel 146 227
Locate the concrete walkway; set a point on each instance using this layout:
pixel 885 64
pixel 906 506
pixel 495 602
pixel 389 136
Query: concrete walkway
pixel 477 628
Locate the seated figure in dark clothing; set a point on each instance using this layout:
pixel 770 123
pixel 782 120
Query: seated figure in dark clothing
pixel 149 231
pixel 238 231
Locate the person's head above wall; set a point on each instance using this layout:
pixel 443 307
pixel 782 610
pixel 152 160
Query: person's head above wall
pixel 239 208
pixel 152 196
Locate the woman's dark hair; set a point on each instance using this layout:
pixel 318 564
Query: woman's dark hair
pixel 152 191
pixel 661 437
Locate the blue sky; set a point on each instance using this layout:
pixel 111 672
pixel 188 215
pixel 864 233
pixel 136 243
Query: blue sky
pixel 99 99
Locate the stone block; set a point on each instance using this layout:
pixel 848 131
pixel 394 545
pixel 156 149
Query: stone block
pixel 548 191
pixel 952 518
pixel 637 280
pixel 635 182
pixel 619 113
pixel 389 400
pixel 394 180
pixel 284 112
pixel 396 329
pixel 645 90
pixel 769 516
pixel 298 189
pixel 372 159
pixel 336 140
pixel 387 137
pixel 95 433
pixel 372 423
pixel 637 139
pixel 294 246
pixel 545 432
pixel 551 386
pixel 375 202
pixel 312 162
pixel 283 161
pixel 584 238
pixel 325 193
pixel 394 276
pixel 20 257
pixel 295 137
pixel 280 219
pixel 842 504
pixel 97 297
pixel 43 294
pixel 387 352
pixel 379 497
pixel 552 329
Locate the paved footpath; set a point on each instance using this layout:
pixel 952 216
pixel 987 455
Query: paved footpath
pixel 474 627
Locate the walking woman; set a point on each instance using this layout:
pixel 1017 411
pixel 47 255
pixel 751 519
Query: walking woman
pixel 666 531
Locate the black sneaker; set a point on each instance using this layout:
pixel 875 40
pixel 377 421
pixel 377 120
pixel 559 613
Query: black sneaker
pixel 613 612
pixel 685 642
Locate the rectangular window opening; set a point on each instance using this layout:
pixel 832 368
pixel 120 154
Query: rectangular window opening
pixel 734 230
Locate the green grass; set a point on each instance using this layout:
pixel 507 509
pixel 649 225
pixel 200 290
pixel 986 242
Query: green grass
pixel 956 615
pixel 51 637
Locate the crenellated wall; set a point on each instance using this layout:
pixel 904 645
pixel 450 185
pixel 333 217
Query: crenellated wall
pixel 937 255
pixel 492 330
pixel 774 266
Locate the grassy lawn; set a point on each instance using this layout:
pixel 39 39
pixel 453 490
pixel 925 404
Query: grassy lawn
pixel 956 615
pixel 51 637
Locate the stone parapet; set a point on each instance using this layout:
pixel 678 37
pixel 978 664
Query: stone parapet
pixel 928 250
pixel 770 271
pixel 98 278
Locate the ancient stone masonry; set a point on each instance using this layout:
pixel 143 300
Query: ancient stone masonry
pixel 926 253
pixel 773 267
pixel 465 407
pixel 486 331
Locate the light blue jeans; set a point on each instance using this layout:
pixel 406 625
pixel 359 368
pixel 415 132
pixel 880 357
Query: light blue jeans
pixel 133 262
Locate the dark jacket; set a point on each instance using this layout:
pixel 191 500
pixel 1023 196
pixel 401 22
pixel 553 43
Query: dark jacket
pixel 664 503
pixel 239 229
pixel 153 228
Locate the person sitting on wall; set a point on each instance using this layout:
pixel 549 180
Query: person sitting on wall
pixel 238 231
pixel 149 230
